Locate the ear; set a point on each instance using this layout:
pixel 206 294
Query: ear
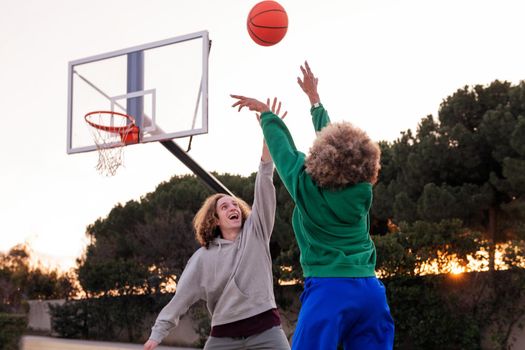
pixel 216 220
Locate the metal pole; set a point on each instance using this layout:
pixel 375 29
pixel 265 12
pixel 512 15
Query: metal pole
pixel 135 82
pixel 211 181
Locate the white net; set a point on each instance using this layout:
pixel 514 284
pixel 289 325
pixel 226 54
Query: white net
pixel 111 132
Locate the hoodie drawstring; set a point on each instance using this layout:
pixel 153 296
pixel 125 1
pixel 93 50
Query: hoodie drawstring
pixel 218 259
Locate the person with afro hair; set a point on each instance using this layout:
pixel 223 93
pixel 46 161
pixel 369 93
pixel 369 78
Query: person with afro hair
pixel 343 302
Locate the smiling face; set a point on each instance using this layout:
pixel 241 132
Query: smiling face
pixel 214 219
pixel 229 215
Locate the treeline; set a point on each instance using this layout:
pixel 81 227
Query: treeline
pixel 456 185
pixel 450 192
pixel 20 281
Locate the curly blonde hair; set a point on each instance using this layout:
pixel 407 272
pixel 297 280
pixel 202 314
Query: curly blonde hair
pixel 205 221
pixel 343 155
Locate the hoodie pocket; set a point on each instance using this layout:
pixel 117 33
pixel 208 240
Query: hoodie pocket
pixel 233 301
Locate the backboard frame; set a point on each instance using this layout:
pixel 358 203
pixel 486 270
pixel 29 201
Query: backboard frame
pixel 153 135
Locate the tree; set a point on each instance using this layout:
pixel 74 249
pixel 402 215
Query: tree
pixel 109 263
pixel 456 187
pixel 470 165
pixel 14 269
pixel 142 246
pixel 19 281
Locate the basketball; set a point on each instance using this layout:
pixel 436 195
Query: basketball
pixel 267 23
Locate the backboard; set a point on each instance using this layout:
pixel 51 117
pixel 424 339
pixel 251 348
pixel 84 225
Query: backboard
pixel 162 85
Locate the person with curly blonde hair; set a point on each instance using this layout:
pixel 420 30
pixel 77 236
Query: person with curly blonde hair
pixel 343 303
pixel 205 221
pixel 232 271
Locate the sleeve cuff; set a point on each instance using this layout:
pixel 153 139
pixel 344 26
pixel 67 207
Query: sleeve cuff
pixel 156 337
pixel 264 114
pixel 316 105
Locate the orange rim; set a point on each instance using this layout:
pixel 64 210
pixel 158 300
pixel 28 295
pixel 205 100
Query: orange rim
pixel 112 129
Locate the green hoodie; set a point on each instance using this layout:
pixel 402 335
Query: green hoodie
pixel 331 226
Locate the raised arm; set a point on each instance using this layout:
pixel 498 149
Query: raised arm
pixel 280 143
pixel 276 109
pixel 288 160
pixel 309 85
pixel 264 199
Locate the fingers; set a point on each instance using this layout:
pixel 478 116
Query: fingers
pixel 276 107
pixel 238 103
pixel 273 105
pixel 150 345
pixel 240 99
pixel 308 70
pixel 305 75
pixel 237 96
pixel 308 77
pixel 300 82
pixel 242 102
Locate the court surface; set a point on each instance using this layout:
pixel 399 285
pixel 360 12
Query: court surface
pixel 30 342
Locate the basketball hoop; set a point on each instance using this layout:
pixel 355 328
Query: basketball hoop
pixel 111 132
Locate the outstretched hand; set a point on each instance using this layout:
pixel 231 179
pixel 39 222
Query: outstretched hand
pixel 309 83
pixel 150 344
pixel 259 107
pixel 250 103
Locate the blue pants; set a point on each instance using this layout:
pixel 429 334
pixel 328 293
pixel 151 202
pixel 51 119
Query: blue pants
pixel 350 311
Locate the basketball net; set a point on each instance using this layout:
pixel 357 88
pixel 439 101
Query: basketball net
pixel 111 132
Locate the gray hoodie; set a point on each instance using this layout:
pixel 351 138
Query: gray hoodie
pixel 233 277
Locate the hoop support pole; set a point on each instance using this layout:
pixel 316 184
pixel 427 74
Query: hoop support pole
pixel 211 181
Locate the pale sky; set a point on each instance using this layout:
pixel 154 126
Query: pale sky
pixel 382 65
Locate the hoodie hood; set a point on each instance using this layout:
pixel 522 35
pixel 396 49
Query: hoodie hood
pixel 336 208
pixel 218 241
pixel 351 204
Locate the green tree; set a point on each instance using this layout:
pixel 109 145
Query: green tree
pixel 14 269
pixel 142 246
pixel 19 281
pixel 109 262
pixel 468 165
pixel 456 187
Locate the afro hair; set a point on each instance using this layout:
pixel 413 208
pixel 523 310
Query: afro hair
pixel 343 155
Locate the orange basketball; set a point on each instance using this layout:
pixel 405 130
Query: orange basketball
pixel 267 23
